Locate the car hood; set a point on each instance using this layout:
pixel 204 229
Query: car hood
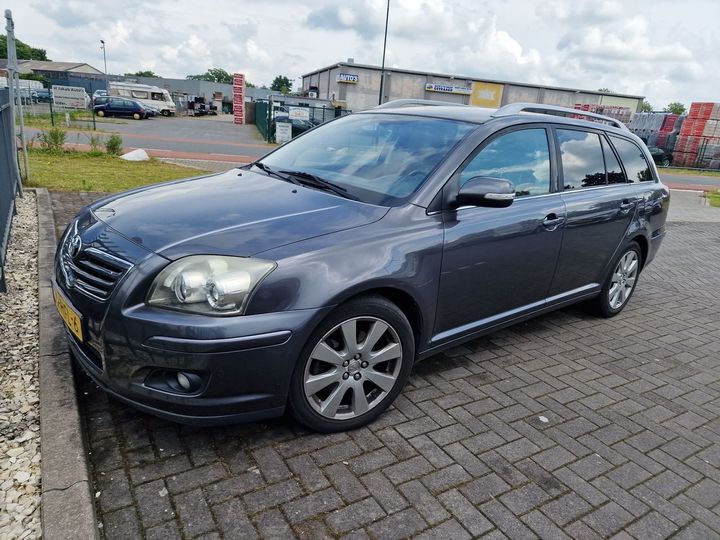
pixel 234 213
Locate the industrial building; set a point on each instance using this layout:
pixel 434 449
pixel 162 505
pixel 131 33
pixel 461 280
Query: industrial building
pixel 62 73
pixel 357 87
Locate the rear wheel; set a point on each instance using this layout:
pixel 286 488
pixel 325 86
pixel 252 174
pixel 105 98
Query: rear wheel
pixel 137 116
pixel 353 366
pixel 621 282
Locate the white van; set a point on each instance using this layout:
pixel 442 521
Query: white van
pixel 153 96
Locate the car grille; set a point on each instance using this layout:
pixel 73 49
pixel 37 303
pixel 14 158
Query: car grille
pixel 93 272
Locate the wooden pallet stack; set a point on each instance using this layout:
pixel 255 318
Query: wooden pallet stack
pixel 698 144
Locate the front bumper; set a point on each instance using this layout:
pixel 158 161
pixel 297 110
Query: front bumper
pixel 245 378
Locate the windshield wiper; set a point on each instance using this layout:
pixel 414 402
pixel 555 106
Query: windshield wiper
pixel 272 172
pixel 312 180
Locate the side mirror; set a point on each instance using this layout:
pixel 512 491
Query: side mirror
pixel 486 191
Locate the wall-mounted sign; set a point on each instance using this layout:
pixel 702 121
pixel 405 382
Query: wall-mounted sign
pixel 69 97
pixel 299 113
pixel 447 89
pixel 347 78
pixel 486 94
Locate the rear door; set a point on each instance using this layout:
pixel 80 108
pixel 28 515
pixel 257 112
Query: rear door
pixel 498 262
pixel 600 206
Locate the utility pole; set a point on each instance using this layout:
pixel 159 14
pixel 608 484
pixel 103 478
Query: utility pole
pixel 102 46
pixel 382 69
pixel 14 80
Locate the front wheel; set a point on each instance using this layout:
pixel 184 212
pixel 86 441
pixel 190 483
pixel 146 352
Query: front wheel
pixel 101 113
pixel 353 366
pixel 165 112
pixel 137 116
pixel 620 284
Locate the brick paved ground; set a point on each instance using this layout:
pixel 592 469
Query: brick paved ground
pixel 566 426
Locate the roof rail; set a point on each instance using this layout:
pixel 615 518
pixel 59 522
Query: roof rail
pixel 399 103
pixel 540 108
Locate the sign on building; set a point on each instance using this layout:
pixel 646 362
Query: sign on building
pixel 70 97
pixel 486 94
pixel 238 98
pixel 347 78
pixel 299 113
pixel 447 89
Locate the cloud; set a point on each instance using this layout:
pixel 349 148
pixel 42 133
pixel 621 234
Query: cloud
pixel 362 19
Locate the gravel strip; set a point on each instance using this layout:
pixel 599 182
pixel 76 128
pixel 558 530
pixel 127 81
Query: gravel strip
pixel 19 402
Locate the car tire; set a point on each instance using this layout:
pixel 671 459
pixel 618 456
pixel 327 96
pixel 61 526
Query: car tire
pixel 165 112
pixel 665 162
pixel 621 282
pixel 137 116
pixel 339 385
pixel 101 113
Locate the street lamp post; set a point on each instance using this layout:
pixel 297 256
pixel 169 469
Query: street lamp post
pixel 382 69
pixel 102 46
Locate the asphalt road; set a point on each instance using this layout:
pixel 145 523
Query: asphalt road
pixel 682 181
pixel 198 138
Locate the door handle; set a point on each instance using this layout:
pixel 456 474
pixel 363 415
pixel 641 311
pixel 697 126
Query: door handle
pixel 627 205
pixel 552 222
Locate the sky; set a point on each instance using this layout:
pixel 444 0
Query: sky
pixel 663 49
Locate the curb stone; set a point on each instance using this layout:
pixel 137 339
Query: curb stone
pixel 68 509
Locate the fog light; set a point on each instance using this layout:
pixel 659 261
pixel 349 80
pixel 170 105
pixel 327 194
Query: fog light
pixel 183 381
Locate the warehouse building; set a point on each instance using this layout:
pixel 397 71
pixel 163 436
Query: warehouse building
pixel 357 87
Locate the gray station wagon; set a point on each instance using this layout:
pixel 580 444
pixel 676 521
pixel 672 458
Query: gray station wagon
pixel 313 279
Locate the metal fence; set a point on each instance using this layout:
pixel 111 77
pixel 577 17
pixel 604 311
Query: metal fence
pixel 8 178
pixel 267 114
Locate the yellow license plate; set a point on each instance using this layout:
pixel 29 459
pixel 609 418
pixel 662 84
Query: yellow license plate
pixel 69 315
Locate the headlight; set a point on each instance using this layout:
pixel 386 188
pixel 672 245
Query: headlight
pixel 208 284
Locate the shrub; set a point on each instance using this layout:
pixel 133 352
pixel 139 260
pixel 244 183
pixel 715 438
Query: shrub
pixel 95 141
pixel 113 145
pixel 52 140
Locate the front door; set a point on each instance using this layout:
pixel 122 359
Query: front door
pixel 498 263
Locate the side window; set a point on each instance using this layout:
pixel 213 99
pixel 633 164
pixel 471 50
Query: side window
pixel 582 159
pixel 636 166
pixel 139 94
pixel 614 171
pixel 523 157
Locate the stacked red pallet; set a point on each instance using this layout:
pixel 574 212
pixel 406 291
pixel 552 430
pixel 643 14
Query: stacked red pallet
pixel 666 129
pixel 613 111
pixel 698 144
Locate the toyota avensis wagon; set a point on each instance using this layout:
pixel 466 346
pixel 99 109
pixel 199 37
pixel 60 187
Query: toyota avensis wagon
pixel 313 279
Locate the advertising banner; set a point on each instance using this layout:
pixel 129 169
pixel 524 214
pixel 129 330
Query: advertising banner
pixel 486 94
pixel 299 113
pixel 69 97
pixel 447 89
pixel 238 98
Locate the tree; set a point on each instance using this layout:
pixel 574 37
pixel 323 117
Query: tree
pixel 146 73
pixel 281 84
pixel 24 51
pixel 646 107
pixel 675 107
pixel 213 75
pixel 606 90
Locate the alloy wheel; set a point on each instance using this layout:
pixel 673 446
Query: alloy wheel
pixel 352 368
pixel 623 279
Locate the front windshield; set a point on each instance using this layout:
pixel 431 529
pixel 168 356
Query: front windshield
pixel 379 158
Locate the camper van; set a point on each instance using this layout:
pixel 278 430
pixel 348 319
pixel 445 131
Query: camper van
pixel 152 96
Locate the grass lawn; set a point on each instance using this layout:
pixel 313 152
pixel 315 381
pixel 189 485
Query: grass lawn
pixel 82 121
pixel 77 171
pixel 713 198
pixel 689 172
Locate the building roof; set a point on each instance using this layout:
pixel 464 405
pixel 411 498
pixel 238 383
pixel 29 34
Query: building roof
pixel 28 66
pixel 463 77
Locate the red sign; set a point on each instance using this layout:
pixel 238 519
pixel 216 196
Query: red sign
pixel 239 98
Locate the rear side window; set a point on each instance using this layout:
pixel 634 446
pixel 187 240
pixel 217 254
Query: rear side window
pixel 523 157
pixel 582 159
pixel 636 166
pixel 614 170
